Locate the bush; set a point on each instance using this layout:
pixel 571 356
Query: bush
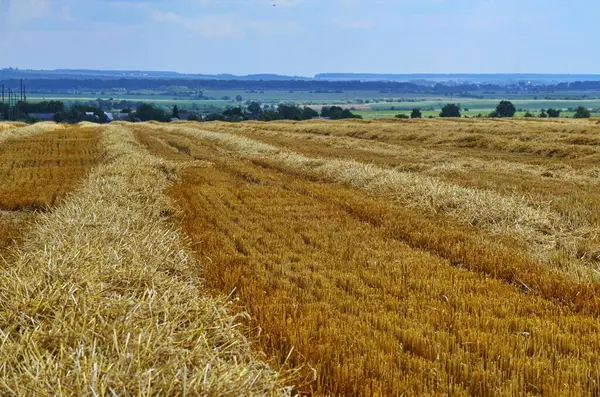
pixel 450 110
pixel 214 117
pixel 402 116
pixel 148 112
pixel 269 115
pixel 31 120
pixel 337 113
pixel 309 113
pixel 505 109
pixel 582 113
pixel 416 114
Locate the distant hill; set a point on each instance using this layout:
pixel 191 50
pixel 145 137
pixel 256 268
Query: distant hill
pixel 85 74
pixel 461 77
pixel 418 78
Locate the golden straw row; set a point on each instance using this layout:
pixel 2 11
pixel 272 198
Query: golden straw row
pixel 576 140
pixel 412 156
pixel 16 131
pixel 533 223
pixel 104 299
pixel 344 278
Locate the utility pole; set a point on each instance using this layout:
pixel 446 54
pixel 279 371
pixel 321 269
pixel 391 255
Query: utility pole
pixel 9 104
pixel 13 95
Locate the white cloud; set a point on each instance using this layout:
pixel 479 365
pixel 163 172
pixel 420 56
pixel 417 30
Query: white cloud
pixel 208 26
pixel 220 26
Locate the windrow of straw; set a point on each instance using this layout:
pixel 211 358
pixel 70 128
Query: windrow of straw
pixel 7 125
pixel 533 223
pixel 104 299
pixel 18 131
pixel 564 139
pixel 374 296
pixel 415 156
pixel 563 186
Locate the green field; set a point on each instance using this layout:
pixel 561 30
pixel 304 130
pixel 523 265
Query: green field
pixel 383 114
pixel 485 104
pixel 369 104
pixel 274 96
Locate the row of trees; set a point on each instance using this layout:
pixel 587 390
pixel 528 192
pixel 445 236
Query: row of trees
pixel 41 107
pixel 254 111
pixel 79 113
pixel 150 112
pixel 175 85
pixel 504 109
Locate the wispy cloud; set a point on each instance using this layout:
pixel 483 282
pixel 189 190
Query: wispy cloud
pixel 208 26
pixel 303 36
pixel 226 26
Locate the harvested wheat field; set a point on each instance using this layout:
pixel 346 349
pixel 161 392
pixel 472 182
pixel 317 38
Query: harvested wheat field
pixel 39 165
pixel 388 258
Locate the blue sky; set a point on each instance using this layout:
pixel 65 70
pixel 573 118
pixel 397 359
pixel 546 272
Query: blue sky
pixel 303 37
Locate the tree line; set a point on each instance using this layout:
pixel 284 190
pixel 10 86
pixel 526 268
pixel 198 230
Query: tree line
pixel 254 111
pixel 503 109
pixel 149 112
pixel 133 84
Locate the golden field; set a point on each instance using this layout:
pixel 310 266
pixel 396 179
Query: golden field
pixel 39 165
pixel 392 257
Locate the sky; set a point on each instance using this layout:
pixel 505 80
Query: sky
pixel 302 37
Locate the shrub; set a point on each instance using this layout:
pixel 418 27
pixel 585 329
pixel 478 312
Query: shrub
pixel 582 113
pixel 505 109
pixel 450 110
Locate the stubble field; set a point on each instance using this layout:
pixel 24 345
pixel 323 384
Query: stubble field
pixel 419 257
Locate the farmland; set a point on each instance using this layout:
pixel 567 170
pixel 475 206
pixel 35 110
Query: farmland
pixel 39 165
pixel 369 104
pixel 389 257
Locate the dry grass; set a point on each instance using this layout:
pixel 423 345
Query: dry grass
pixel 345 279
pixel 434 160
pixel 13 225
pixel 554 139
pixel 40 164
pixel 4 126
pixel 20 130
pixel 103 298
pixel 566 187
pixel 534 223
pixel 384 258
